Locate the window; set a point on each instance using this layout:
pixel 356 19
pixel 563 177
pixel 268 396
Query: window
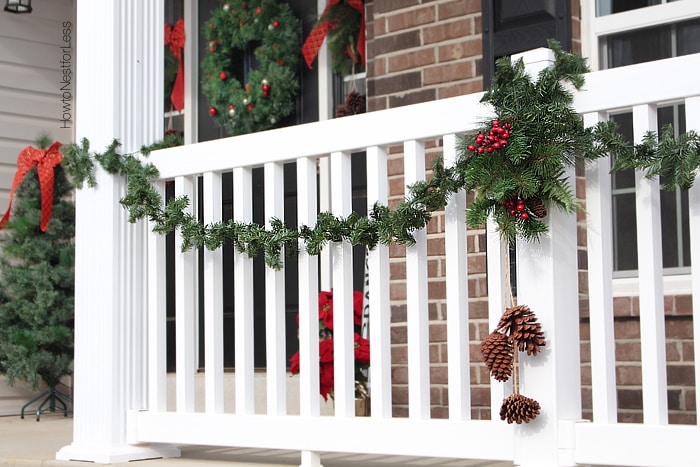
pixel 675 233
pixel 625 32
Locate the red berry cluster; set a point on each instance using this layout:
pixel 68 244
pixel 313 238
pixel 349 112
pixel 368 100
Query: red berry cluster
pixel 496 139
pixel 516 206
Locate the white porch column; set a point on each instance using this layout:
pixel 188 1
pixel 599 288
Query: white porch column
pixel 548 283
pixel 119 70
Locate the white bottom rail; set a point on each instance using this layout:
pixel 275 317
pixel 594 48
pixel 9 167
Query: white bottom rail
pixel 476 439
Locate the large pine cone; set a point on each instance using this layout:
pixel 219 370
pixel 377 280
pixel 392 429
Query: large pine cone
pixel 517 408
pixel 498 355
pixel 355 103
pixel 537 207
pixel 521 324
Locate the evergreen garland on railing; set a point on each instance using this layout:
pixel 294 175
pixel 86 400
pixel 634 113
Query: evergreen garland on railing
pixel 547 135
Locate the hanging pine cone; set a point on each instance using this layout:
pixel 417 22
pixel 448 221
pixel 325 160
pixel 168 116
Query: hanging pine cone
pixel 355 103
pixel 517 408
pixel 521 324
pixel 537 207
pixel 497 350
pixel 342 111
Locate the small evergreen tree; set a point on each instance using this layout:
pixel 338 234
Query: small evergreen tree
pixel 37 283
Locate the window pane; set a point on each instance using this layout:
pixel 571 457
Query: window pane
pixel 669 229
pixel 642 45
pixel 689 37
pixel 625 232
pixel 607 7
pixel 624 179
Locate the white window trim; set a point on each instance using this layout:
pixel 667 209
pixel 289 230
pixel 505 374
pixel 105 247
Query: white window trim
pixel 677 284
pixel 595 27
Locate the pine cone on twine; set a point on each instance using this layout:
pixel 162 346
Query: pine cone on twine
pixel 497 350
pixel 355 103
pixel 521 324
pixel 537 207
pixel 517 408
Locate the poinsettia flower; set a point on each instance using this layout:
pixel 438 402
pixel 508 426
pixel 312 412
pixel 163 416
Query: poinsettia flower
pixel 326 379
pixel 357 306
pixel 361 349
pixel 294 364
pixel 325 308
pixel 325 351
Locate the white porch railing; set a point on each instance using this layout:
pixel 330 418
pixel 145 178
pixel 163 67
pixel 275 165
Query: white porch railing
pixel 121 397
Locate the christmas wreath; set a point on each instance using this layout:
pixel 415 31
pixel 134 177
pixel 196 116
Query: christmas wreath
pixel 268 94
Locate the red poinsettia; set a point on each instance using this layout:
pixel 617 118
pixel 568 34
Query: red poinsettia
pixel 325 349
pixel 325 308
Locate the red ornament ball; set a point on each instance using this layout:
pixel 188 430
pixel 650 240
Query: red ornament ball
pixel 258 10
pixel 480 149
pixel 275 23
pixel 211 49
pixel 213 111
pixel 471 148
pixel 524 216
pixel 230 107
pixel 222 75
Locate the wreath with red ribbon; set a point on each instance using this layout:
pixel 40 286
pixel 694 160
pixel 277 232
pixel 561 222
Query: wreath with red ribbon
pixel 342 24
pixel 269 91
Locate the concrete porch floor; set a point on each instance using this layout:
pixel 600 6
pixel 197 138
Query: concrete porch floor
pixel 31 443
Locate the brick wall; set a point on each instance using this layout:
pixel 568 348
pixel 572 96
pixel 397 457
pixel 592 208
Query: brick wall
pixel 431 49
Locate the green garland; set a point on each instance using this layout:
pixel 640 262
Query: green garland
pixel 530 165
pixel 269 92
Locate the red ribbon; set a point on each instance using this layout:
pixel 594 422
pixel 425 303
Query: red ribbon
pixel 175 38
pixel 45 161
pixel 313 43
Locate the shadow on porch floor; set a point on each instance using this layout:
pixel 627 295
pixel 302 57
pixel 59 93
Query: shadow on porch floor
pixel 31 443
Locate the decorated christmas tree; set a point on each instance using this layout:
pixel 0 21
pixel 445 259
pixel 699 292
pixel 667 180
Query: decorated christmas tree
pixel 36 272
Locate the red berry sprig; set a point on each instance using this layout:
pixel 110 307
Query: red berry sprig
pixel 496 139
pixel 516 206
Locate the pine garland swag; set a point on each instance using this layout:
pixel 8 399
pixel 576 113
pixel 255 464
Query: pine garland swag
pixel 344 28
pixel 472 172
pixel 269 93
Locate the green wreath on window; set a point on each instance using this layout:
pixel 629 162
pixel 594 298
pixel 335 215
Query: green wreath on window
pixel 273 32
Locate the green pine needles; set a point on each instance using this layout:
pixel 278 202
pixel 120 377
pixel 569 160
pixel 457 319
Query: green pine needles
pixel 37 284
pixel 515 166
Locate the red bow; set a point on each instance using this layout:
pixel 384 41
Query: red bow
pixel 175 38
pixel 313 43
pixel 45 161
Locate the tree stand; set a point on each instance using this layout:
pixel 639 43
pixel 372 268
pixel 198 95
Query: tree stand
pixel 52 396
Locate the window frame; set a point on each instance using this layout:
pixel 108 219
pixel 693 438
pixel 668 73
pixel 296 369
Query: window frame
pixel 595 29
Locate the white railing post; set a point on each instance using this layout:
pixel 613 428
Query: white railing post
pixel 651 294
pixel 548 284
pixel 600 255
pixel 120 66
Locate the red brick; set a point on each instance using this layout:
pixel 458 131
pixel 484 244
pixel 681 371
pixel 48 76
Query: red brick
pixel 459 8
pixel 628 351
pixel 397 291
pixel 478 309
pixel 436 290
pixel 460 89
pixel 399 354
pixel 452 71
pixel 411 60
pixel 436 246
pixel 678 328
pixel 476 263
pixel 387 6
pixel 397 270
pixel 438 375
pixel 446 31
pixel 468 48
pixel 399 335
pixel 411 19
pixel 410 98
pixel 628 375
pixel 627 328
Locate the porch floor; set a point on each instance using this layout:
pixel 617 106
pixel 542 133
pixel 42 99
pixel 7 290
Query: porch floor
pixel 31 443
